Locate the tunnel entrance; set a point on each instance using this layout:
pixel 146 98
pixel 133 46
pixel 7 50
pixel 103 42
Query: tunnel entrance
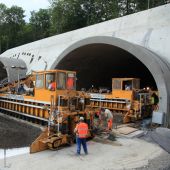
pixel 96 64
pixel 11 69
pixel 97 59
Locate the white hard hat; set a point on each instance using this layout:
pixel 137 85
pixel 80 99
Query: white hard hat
pixel 81 118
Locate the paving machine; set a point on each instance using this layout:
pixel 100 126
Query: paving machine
pixel 48 98
pixel 126 100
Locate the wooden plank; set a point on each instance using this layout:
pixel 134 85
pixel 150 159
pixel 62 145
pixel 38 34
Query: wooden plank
pixel 126 130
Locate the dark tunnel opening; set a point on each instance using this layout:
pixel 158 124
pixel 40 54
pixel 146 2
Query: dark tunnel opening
pixel 97 64
pixel 3 73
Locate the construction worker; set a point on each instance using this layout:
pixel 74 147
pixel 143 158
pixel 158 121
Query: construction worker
pixel 109 117
pixel 21 89
pixel 81 131
pixel 70 83
pixel 155 101
pixel 52 85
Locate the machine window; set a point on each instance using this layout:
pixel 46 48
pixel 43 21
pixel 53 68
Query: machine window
pixel 39 81
pixel 136 84
pixel 127 85
pixel 116 84
pixel 71 81
pixel 50 81
pixel 61 80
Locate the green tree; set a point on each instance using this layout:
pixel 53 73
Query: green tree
pixel 97 11
pixel 155 3
pixel 13 23
pixel 145 4
pixel 141 5
pixel 126 7
pixel 2 28
pixel 40 24
pixel 2 13
pixel 68 15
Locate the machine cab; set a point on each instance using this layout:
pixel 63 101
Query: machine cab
pixel 52 81
pixel 123 87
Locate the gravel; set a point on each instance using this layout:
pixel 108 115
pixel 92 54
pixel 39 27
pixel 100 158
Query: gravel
pixel 160 163
pixel 15 134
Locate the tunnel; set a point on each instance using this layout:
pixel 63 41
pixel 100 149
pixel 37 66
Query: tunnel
pixel 11 69
pixel 97 64
pixel 98 59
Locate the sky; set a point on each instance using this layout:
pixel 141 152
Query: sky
pixel 27 5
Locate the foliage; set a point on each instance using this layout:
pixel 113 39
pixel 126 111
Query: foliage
pixel 62 16
pixel 40 24
pixel 11 25
pixel 99 11
pixel 127 7
pixel 146 4
pixel 68 15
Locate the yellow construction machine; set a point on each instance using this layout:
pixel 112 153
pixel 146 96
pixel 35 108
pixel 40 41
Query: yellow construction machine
pixel 49 98
pixel 62 121
pixel 126 100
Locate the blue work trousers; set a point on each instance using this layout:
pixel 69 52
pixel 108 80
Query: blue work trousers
pixel 81 141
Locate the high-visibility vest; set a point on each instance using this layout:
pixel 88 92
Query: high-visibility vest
pixel 82 130
pixel 70 83
pixel 53 85
pixel 110 124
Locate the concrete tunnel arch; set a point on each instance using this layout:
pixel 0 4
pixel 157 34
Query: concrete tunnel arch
pixel 156 65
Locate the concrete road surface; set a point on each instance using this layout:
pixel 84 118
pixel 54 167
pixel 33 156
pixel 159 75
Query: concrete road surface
pixel 120 155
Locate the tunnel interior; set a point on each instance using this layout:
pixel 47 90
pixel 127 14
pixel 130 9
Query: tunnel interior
pixel 97 64
pixel 3 72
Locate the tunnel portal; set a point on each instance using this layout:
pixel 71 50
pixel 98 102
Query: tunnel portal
pixel 96 64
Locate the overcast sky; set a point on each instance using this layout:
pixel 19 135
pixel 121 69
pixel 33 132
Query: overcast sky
pixel 27 5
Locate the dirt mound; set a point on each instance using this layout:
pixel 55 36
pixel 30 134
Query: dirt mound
pixel 14 134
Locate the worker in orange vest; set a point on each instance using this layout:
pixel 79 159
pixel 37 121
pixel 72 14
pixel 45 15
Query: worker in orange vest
pixel 81 131
pixel 70 83
pixel 52 85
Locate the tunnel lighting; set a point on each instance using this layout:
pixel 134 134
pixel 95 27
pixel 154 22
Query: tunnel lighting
pixel 147 88
pixel 18 67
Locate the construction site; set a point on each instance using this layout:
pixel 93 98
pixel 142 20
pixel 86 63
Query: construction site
pixel 118 86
